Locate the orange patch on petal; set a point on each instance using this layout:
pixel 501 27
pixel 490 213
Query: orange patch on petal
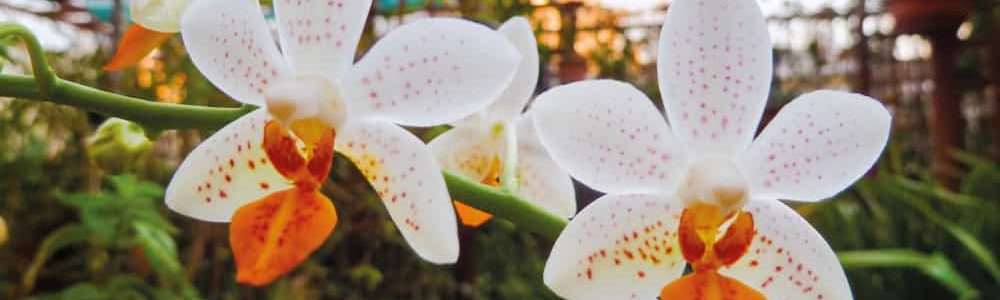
pixel 306 166
pixel 471 216
pixel 135 45
pixel 273 235
pixel 736 241
pixel 708 285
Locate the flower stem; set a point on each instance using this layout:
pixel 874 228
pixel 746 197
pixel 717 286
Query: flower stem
pixel 504 204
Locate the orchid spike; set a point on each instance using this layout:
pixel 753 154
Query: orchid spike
pixel 263 171
pixel 701 191
pixel 477 146
pixel 156 21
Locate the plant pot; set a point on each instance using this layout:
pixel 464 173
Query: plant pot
pixel 928 16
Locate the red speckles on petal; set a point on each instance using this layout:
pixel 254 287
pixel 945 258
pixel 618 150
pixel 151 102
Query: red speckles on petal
pixel 617 237
pixel 708 69
pixel 403 173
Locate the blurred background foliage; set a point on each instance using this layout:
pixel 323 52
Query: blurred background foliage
pixel 81 195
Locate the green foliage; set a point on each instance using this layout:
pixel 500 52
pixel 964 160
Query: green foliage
pixel 123 220
pixel 922 234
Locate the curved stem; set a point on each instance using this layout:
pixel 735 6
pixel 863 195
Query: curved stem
pixel 46 78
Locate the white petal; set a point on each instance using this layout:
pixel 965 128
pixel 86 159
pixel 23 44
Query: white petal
pixel 608 135
pixel 816 146
pixel 619 247
pixel 229 42
pixel 539 179
pixel 431 72
pixel 469 151
pixel 158 15
pixel 788 258
pixel 320 35
pixel 519 91
pixel 714 72
pixel 403 172
pixel 224 172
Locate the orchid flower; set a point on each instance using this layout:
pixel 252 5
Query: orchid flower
pixel 156 21
pixel 480 146
pixel 262 172
pixel 702 191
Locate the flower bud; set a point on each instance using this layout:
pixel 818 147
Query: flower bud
pixel 118 145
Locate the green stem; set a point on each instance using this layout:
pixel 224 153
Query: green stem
pixel 502 203
pixel 155 115
pixel 40 66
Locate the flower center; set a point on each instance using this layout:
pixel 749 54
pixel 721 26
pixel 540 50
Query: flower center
pixel 715 181
pixel 309 96
pixel 713 192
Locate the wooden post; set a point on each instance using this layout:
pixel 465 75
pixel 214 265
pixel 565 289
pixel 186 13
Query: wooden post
pixel 947 127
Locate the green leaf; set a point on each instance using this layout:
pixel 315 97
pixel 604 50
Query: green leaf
pixel 159 248
pixel 58 239
pixel 935 265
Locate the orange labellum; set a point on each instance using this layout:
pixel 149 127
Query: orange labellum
pixel 306 166
pixel 708 285
pixel 737 240
pixel 470 216
pixel 273 235
pixel 135 45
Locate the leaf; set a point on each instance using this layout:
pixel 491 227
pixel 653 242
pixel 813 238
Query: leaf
pixel 159 248
pixel 936 266
pixel 58 239
pixel 971 243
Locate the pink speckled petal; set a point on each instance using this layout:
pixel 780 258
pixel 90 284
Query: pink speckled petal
pixel 714 72
pixel 619 247
pixel 468 151
pixel 816 146
pixel 608 135
pixel 788 259
pixel 403 172
pixel 431 72
pixel 229 42
pixel 539 179
pixel 321 35
pixel 224 172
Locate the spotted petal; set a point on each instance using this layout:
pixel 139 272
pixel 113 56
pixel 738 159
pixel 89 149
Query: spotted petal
pixel 714 72
pixel 788 259
pixel 230 43
pixel 320 35
pixel 816 146
pixel 403 172
pixel 469 151
pixel 158 15
pixel 224 172
pixel 539 179
pixel 431 72
pixel 608 135
pixel 619 247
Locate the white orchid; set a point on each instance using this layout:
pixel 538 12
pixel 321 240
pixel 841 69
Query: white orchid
pixel 478 147
pixel 701 190
pixel 263 171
